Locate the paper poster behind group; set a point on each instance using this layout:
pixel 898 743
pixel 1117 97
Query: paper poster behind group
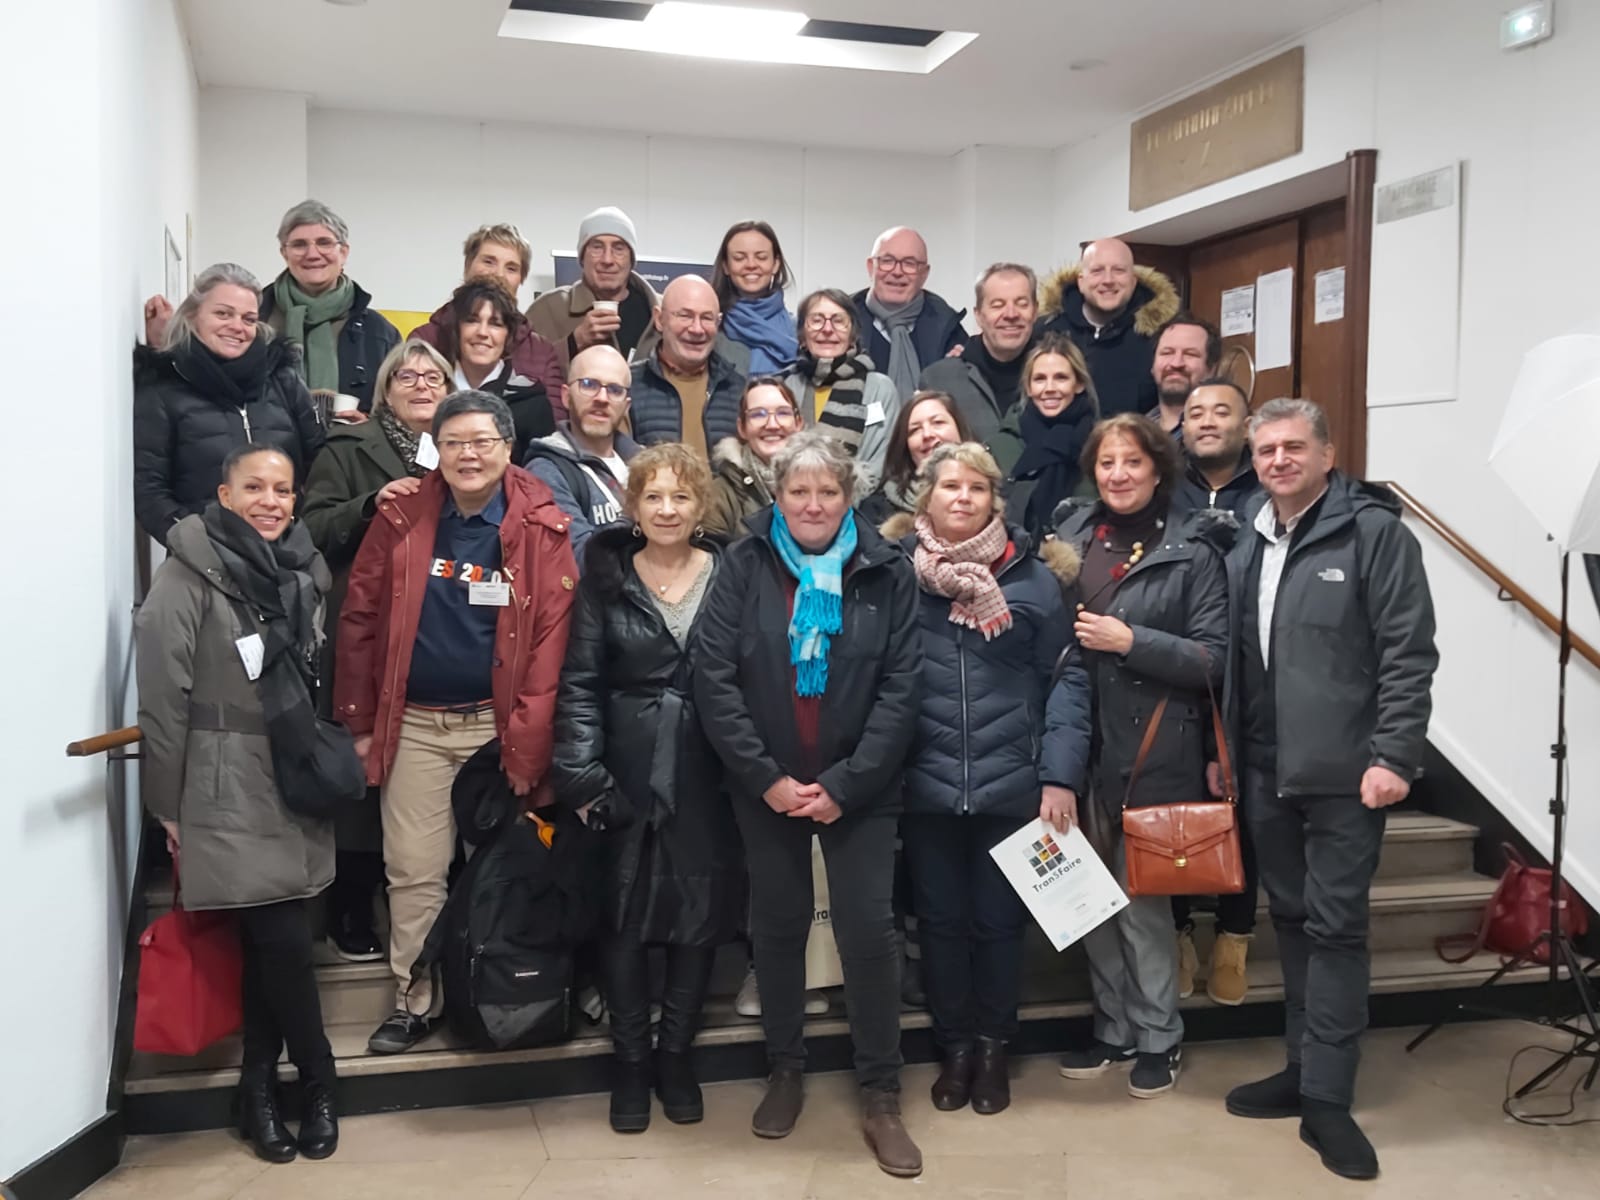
pixel 1060 878
pixel 1239 310
pixel 1275 319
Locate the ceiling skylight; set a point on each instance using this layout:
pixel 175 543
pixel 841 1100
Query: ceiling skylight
pixel 728 31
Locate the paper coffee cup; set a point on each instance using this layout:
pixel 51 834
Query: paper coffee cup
pixel 609 306
pixel 345 404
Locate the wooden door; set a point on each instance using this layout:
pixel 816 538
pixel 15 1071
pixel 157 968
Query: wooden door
pixel 1322 348
pixel 1235 261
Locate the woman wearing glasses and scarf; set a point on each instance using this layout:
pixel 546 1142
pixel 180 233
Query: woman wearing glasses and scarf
pixel 452 634
pixel 362 465
pixel 807 677
pixel 838 387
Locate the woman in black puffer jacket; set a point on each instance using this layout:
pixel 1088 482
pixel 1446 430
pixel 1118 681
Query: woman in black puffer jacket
pixel 998 743
pixel 1153 623
pixel 221 381
pixel 630 755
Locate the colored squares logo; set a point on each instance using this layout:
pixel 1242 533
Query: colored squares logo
pixel 1046 856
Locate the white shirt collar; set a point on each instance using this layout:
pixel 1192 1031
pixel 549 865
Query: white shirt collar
pixel 1267 518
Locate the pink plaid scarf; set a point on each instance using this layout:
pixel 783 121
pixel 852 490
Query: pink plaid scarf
pixel 961 572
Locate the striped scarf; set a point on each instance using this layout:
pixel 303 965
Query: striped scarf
pixel 960 571
pixel 818 600
pixel 844 415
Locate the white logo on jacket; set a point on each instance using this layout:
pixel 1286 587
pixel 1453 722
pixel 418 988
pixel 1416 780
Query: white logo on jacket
pixel 1331 575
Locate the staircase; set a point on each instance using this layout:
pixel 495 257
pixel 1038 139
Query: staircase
pixel 1425 887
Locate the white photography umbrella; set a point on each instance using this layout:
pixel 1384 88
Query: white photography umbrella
pixel 1548 447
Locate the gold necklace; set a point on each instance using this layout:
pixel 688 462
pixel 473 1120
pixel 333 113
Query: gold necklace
pixel 663 588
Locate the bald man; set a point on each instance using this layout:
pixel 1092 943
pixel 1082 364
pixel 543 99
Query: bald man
pixel 1113 310
pixel 904 327
pixel 585 461
pixel 685 391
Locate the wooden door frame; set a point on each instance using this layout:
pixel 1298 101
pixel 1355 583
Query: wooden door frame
pixel 1361 172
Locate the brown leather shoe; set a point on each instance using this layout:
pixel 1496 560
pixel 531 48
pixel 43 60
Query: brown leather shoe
pixel 991 1078
pixel 954 1085
pixel 780 1107
pixel 886 1134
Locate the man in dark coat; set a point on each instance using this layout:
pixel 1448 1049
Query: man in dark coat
pixel 904 327
pixel 1219 471
pixel 1333 627
pixel 1113 310
pixel 985 380
pixel 1188 349
pixel 685 390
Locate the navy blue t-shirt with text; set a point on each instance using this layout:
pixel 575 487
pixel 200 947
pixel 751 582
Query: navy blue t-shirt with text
pixel 453 659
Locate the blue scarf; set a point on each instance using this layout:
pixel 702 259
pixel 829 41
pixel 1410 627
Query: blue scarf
pixel 818 601
pixel 766 327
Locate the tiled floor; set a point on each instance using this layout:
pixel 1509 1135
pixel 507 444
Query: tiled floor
pixel 1435 1118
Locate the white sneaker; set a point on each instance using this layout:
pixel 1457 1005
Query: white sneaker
pixel 748 1002
pixel 816 1004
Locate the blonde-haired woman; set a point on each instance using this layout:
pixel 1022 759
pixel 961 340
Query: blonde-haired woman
pixel 220 380
pixel 1042 437
pixel 1002 738
pixel 630 756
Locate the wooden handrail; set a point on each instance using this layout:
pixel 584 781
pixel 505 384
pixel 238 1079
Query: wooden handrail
pixel 1501 580
pixel 104 742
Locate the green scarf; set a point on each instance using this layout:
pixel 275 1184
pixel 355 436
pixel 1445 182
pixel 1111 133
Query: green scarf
pixel 308 323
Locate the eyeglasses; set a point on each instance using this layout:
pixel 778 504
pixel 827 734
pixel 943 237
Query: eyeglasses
pixel 761 416
pixel 888 262
pixel 411 378
pixel 301 246
pixel 684 317
pixel 590 389
pixel 479 445
pixel 824 320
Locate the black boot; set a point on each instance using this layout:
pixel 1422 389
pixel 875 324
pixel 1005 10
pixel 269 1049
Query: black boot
pixel 1331 1131
pixel 677 1088
pixel 319 1126
pixel 260 1122
pixel 991 1077
pixel 630 1095
pixel 954 1086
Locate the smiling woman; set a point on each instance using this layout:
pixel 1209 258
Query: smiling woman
pixel 222 381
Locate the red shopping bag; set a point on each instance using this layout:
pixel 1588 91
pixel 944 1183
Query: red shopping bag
pixel 190 974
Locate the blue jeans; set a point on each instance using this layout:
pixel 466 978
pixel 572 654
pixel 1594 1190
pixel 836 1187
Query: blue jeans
pixel 971 922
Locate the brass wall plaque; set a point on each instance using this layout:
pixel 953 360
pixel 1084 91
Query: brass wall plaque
pixel 1247 121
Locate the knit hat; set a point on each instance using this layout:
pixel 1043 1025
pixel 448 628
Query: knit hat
pixel 607 220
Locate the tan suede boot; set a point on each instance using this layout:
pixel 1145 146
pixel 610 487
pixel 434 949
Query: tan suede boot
pixel 1188 962
pixel 1227 982
pixel 886 1134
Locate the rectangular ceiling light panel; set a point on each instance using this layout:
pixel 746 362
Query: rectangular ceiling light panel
pixel 698 30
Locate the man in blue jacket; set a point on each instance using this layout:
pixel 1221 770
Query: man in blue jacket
pixel 1333 627
pixel 904 327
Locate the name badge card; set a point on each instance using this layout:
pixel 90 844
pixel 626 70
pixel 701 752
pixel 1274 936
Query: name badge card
pixel 496 594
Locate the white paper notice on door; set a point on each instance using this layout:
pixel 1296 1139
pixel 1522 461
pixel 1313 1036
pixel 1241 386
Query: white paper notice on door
pixel 1330 295
pixel 1060 878
pixel 1239 310
pixel 1275 319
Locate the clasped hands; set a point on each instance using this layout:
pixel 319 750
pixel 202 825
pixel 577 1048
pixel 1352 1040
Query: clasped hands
pixel 795 799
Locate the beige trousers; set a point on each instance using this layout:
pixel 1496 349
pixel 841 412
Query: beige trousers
pixel 419 835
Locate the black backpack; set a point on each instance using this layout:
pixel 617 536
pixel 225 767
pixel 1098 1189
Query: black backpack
pixel 503 943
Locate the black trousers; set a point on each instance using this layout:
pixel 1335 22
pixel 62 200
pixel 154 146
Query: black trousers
pixel 358 874
pixel 1318 855
pixel 626 963
pixel 972 922
pixel 1236 914
pixel 280 999
pixel 859 852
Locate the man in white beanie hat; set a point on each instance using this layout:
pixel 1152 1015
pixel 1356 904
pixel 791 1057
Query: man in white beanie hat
pixel 611 305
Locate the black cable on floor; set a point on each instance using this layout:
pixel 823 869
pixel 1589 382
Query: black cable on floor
pixel 1552 1120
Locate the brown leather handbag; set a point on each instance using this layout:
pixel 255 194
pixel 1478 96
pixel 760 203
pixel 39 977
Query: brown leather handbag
pixel 1190 848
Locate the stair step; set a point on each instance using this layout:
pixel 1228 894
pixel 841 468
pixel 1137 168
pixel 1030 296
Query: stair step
pixel 1392 972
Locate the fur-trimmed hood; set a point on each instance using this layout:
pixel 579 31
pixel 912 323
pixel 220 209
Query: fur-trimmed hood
pixel 1060 557
pixel 1155 300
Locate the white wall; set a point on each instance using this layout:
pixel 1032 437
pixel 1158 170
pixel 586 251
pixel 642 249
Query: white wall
pixel 411 188
pixel 1425 83
pixel 252 168
pixel 1342 61
pixel 108 178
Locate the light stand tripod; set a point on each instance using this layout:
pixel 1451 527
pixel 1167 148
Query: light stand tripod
pixel 1554 946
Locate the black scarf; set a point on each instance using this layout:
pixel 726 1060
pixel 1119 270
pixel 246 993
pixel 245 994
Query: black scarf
pixel 1051 448
pixel 401 437
pixel 313 761
pixel 845 411
pixel 236 381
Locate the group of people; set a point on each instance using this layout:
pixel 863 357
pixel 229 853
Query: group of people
pixel 725 583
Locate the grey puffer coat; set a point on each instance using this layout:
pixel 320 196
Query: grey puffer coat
pixel 207 762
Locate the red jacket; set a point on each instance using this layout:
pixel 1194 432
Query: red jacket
pixel 378 623
pixel 531 356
